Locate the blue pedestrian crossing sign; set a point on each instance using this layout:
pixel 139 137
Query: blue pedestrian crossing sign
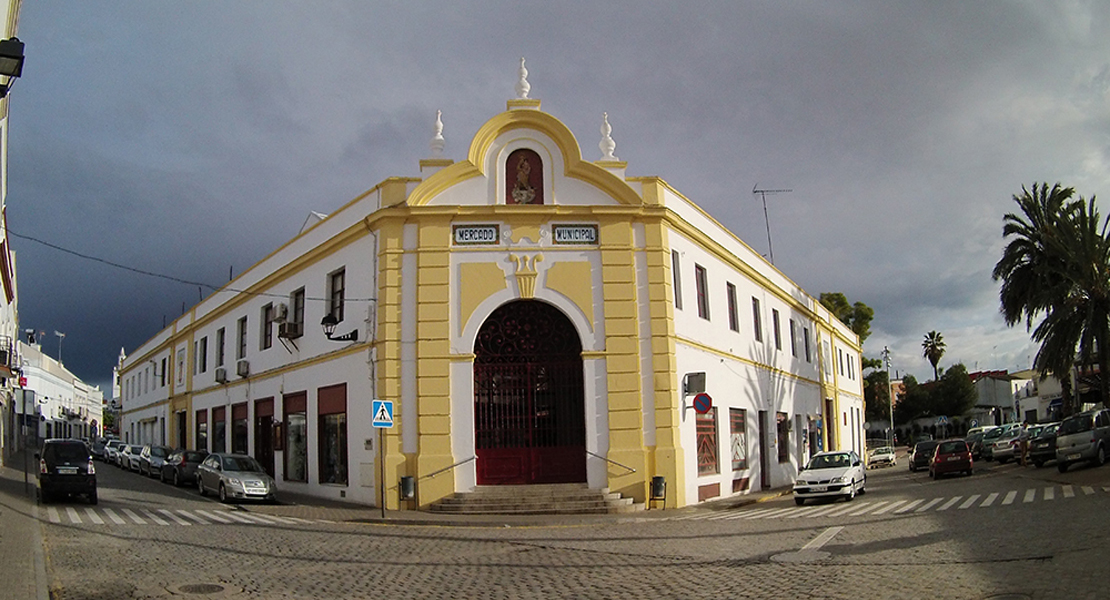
pixel 383 413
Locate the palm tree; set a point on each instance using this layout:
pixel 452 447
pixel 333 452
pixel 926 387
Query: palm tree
pixel 1056 265
pixel 933 349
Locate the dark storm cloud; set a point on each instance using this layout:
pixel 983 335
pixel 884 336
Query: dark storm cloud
pixel 189 138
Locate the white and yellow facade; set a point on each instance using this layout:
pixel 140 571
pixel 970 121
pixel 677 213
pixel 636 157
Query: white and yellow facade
pixel 427 262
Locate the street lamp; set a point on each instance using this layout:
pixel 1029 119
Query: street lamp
pixel 889 392
pixel 61 336
pixel 329 322
pixel 11 62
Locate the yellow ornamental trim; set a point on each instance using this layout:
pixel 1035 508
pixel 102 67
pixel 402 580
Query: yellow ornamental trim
pixel 542 122
pixel 526 274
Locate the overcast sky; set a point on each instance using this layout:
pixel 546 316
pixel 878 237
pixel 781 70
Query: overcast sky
pixel 192 138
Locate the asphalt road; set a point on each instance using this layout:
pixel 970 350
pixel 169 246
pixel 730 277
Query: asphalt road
pixel 1007 532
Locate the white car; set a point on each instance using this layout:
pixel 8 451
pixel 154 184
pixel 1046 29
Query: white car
pixel 881 457
pixel 831 475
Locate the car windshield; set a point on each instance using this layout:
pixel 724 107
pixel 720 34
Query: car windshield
pixel 830 461
pixel 925 447
pixel 159 452
pixel 240 463
pixel 136 449
pixel 952 447
pixel 65 452
pixel 1076 424
pixel 195 457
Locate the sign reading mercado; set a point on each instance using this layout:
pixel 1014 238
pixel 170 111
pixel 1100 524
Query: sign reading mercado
pixel 477 234
pixel 575 234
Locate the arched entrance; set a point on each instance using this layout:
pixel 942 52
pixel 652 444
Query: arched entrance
pixel 529 403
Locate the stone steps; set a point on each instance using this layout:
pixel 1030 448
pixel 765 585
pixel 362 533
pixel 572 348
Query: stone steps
pixel 546 499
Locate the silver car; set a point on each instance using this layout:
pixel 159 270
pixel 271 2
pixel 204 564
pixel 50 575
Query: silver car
pixel 1083 437
pixel 235 477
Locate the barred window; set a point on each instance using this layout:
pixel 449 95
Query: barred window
pixel 739 438
pixel 707 443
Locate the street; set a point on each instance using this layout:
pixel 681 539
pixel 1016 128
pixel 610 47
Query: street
pixel 1029 533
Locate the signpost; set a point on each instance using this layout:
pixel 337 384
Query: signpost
pixel 383 419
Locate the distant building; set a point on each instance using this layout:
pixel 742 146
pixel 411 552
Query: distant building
pixel 533 317
pixel 995 404
pixel 58 402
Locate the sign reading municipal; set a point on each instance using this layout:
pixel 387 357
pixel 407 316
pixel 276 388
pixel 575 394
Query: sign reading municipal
pixel 383 413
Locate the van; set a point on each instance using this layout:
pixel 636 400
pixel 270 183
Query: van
pixel 65 468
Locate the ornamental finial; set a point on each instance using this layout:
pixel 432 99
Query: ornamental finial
pixel 522 86
pixel 607 145
pixel 438 142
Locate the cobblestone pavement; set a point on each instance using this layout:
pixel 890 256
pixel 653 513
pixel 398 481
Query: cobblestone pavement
pixel 1039 550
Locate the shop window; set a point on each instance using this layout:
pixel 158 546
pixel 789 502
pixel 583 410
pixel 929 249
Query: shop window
pixel 332 407
pixel 296 437
pixel 239 429
pixel 707 443
pixel 738 438
pixel 783 424
pixel 219 429
pixel 524 178
pixel 202 430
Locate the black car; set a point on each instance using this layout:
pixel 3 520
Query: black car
pixel 1042 447
pixel 922 452
pixel 66 468
pixel 974 442
pixel 181 466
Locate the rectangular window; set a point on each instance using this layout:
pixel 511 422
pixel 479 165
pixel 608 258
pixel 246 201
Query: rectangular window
pixel 202 430
pixel 840 360
pixel 336 288
pixel 239 428
pixel 701 280
pixel 783 423
pixel 805 339
pixel 219 429
pixel 296 307
pixel 203 358
pixel 165 363
pixel 738 438
pixel 777 328
pixel 851 368
pixel 196 353
pixel 677 274
pixel 332 406
pixel 220 335
pixel 757 322
pixel 707 443
pixel 793 338
pixel 241 352
pixel 266 337
pixel 294 407
pixel 733 313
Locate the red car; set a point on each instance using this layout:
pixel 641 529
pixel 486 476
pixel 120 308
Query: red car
pixel 951 456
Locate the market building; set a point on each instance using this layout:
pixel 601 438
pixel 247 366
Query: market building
pixel 532 316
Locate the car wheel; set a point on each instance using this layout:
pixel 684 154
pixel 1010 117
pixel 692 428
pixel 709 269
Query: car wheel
pixel 92 497
pixel 863 486
pixel 200 487
pixel 176 479
pixel 799 501
pixel 162 475
pixel 851 492
pixel 1002 461
pixel 1100 457
pixel 223 493
pixel 1038 463
pixel 1062 467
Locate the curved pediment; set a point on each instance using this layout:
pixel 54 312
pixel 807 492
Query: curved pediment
pixel 522 128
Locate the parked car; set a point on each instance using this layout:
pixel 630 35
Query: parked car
pixel 111 452
pixel 129 457
pixel 1083 437
pixel 990 437
pixel 831 475
pixel 922 453
pixel 66 468
pixel 181 467
pixel 882 457
pixel 99 450
pixel 951 456
pixel 236 477
pixel 974 442
pixel 1008 447
pixel 151 459
pixel 1042 447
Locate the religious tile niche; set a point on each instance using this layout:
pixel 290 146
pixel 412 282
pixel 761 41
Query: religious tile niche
pixel 524 178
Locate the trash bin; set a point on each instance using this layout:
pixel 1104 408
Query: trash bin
pixel 407 488
pixel 658 487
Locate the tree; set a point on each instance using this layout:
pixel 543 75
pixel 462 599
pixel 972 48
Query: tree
pixel 933 349
pixel 913 403
pixel 876 397
pixel 1056 268
pixel 954 393
pixel 856 316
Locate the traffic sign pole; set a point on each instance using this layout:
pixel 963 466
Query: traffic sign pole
pixel 381 460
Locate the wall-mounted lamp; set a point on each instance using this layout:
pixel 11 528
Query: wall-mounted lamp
pixel 329 322
pixel 11 62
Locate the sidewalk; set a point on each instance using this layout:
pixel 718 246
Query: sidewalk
pixel 23 572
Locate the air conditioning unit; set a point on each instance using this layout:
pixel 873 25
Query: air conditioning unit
pixel 243 368
pixel 281 312
pixel 290 330
pixel 221 375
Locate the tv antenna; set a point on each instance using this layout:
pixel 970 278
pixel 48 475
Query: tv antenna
pixel 766 219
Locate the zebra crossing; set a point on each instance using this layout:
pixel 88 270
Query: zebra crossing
pixel 860 508
pixel 71 515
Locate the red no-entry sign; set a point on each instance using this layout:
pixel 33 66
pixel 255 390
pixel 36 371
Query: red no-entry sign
pixel 702 403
